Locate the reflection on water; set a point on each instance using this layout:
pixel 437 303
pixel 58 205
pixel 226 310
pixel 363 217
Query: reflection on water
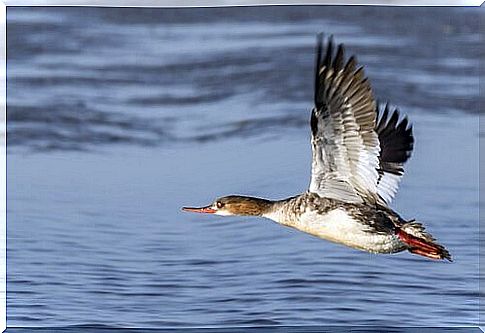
pixel 154 77
pixel 118 117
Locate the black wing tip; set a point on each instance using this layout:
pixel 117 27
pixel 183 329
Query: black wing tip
pixel 395 135
pixel 319 46
pixel 318 65
pixel 329 54
pixel 385 121
pixel 329 59
pixel 333 59
pixel 320 38
pixel 322 60
pixel 338 62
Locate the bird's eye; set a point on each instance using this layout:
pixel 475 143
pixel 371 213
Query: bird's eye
pixel 219 204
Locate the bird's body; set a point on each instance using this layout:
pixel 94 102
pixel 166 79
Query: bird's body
pixel 358 160
pixel 358 226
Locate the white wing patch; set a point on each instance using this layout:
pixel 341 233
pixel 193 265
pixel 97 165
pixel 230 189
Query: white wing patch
pixel 388 186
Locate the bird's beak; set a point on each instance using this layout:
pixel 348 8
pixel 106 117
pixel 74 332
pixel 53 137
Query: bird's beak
pixel 206 210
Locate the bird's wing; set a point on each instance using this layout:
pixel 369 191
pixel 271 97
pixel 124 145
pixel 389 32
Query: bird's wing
pixel 345 144
pixel 396 142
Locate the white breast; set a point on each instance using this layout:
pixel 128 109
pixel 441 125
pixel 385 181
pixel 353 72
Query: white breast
pixel 340 227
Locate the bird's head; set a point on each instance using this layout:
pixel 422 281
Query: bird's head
pixel 234 205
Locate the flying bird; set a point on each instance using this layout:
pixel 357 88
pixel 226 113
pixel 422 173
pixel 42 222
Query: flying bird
pixel 359 150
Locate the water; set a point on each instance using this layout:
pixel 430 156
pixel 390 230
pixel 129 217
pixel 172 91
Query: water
pixel 118 117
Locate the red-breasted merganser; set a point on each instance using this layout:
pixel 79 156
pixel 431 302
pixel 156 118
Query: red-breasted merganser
pixel 359 151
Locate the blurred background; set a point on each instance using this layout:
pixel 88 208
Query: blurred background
pixel 117 117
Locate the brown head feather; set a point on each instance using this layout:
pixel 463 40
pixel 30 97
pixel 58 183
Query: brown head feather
pixel 241 205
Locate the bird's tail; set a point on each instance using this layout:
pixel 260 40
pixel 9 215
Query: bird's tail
pixel 421 242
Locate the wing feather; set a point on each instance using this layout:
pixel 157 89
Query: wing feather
pixel 344 143
pixel 396 141
pixel 355 157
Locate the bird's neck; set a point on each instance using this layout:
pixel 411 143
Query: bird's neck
pixel 276 210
